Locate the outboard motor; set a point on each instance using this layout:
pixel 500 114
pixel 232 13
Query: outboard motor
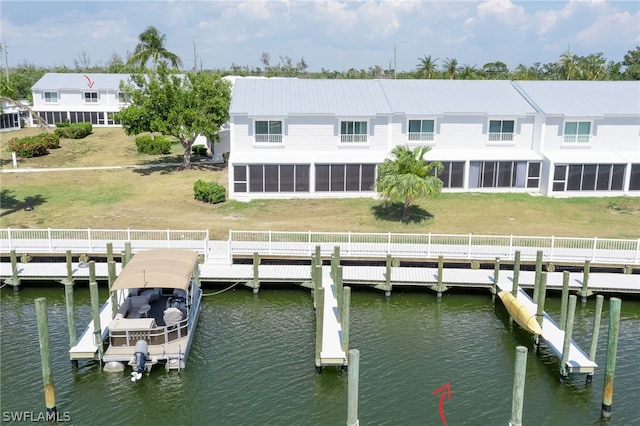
pixel 139 360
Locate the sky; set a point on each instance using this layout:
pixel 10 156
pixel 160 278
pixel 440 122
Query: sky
pixel 331 34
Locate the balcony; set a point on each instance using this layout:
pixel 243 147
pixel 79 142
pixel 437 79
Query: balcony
pixel 353 138
pixel 500 137
pixel 577 139
pixel 421 136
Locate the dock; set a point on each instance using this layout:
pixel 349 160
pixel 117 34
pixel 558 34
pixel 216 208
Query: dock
pixel 331 352
pixel 578 361
pixel 86 347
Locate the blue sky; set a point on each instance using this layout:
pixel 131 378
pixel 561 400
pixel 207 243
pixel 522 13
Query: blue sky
pixel 330 34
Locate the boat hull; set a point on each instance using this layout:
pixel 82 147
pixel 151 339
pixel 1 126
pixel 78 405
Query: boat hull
pixel 520 314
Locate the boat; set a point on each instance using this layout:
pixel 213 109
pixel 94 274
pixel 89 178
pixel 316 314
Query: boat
pixel 520 313
pixel 158 298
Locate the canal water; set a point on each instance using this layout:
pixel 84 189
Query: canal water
pixel 252 362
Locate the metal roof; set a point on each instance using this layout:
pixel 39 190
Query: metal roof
pixel 78 81
pixel 164 268
pixel 584 98
pixel 282 97
pixel 436 97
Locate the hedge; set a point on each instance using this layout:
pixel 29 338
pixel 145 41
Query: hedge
pixel 74 130
pixel 209 192
pixel 34 146
pixel 158 145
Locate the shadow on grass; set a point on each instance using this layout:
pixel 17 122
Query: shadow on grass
pixel 392 212
pixel 10 204
pixel 164 169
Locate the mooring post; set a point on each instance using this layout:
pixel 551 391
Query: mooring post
pixel 567 339
pixel 344 320
pixel 536 284
pixel 109 252
pixel 337 281
pixel 127 253
pixel 45 356
pixel 585 292
pixel 15 280
pixel 335 261
pixel 519 374
pixel 255 283
pixel 564 300
pixel 71 318
pixel 95 309
pixel 352 392
pixel 496 277
pixel 111 269
pixel 612 348
pixel 542 296
pixel 596 333
pixel 387 277
pixel 319 325
pixel 440 273
pixel 516 274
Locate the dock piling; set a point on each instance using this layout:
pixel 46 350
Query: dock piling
pixel 567 338
pixel 584 291
pixel 352 394
pixel 71 318
pixel 596 333
pixel 387 277
pixel 536 286
pixel 111 270
pixel 14 281
pixel 516 274
pixel 319 291
pixel 45 356
pixel 344 319
pixel 612 348
pixel 127 253
pixel 255 282
pixel 95 309
pixel 439 288
pixel 519 374
pixel 496 277
pixel 564 300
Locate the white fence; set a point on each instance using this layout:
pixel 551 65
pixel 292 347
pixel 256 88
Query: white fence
pixel 96 240
pixel 480 247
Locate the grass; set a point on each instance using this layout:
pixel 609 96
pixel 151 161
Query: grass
pixel 162 198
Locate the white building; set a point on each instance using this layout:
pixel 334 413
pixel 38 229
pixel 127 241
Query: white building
pixel 58 97
pixel 9 118
pixel 324 138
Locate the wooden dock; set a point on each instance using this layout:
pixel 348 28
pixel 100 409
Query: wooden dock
pixel 86 347
pixel 331 352
pixel 578 361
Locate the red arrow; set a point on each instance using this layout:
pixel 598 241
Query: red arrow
pixel 446 391
pixel 89 82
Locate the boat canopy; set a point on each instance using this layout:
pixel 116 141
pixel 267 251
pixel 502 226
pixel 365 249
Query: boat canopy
pixel 161 268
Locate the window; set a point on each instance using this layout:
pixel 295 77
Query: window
pixel 345 177
pixel 51 97
pixel 92 117
pixel 53 117
pixel 271 178
pixel 501 130
pixel 91 97
pixel 588 177
pixel 577 132
pixel 452 175
pixel 497 174
pixel 533 176
pixel 634 183
pixel 353 131
pixel 421 130
pixel 124 98
pixel 269 131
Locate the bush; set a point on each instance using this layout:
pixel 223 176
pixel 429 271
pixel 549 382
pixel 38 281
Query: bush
pixel 225 157
pixel 34 146
pixel 199 150
pixel 73 131
pixel 158 145
pixel 209 192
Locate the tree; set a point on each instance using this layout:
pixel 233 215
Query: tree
pixel 468 72
pixel 183 106
pixel 408 177
pixel 631 63
pixel 450 68
pixel 151 46
pixel 567 64
pixel 426 68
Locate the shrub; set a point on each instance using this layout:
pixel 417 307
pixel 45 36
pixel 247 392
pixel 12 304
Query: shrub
pixel 62 124
pixel 225 157
pixel 199 150
pixel 209 192
pixel 34 146
pixel 73 131
pixel 158 145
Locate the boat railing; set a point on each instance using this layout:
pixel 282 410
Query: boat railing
pixel 159 335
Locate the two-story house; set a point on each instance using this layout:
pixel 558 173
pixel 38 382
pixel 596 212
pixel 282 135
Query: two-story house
pixel 59 97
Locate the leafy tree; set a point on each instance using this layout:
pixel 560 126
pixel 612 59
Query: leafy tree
pixel 183 106
pixel 151 46
pixel 408 177
pixel 496 70
pixel 468 72
pixel 568 64
pixel 427 68
pixel 631 63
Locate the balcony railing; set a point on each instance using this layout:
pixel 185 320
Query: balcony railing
pixel 577 138
pixel 500 137
pixel 269 138
pixel 421 136
pixel 353 138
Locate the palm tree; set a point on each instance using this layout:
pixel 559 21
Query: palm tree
pixel 568 64
pixel 450 67
pixel 151 46
pixel 408 177
pixel 468 72
pixel 426 67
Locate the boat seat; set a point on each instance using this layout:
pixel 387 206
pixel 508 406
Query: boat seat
pixel 152 294
pixel 172 316
pixel 135 304
pixel 180 293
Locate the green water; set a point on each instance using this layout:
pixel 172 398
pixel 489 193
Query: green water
pixel 252 362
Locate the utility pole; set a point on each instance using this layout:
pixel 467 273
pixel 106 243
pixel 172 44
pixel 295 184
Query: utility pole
pixel 394 61
pixel 3 45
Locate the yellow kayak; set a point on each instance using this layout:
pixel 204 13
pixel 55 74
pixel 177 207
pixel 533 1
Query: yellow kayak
pixel 520 313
